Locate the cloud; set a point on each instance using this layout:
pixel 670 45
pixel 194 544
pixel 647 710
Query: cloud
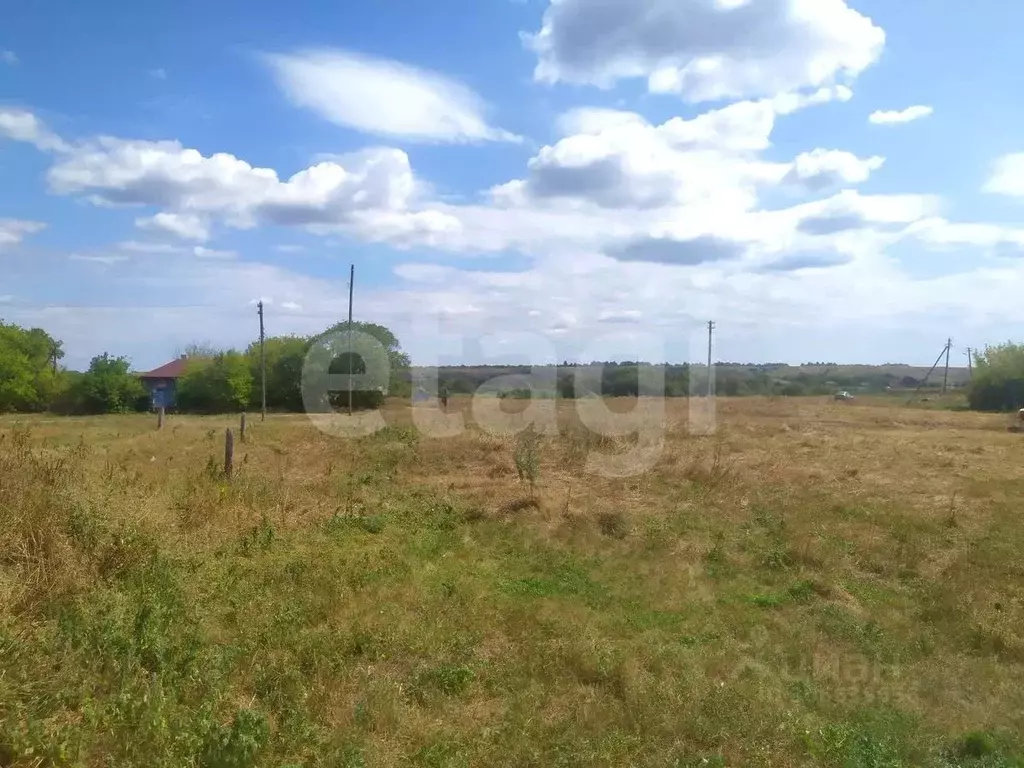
pixel 833 222
pixel 210 253
pixel 106 260
pixel 708 167
pixel 703 50
pixel 939 234
pixel 22 125
pixel 185 226
pixel 135 246
pixel 372 193
pixel 892 117
pixel 798 262
pixel 13 231
pixel 848 211
pixel 1007 177
pixel 619 160
pixel 290 248
pixel 825 169
pixel 678 252
pixel 381 96
pixel 9 57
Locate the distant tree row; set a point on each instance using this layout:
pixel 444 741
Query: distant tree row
pixel 630 379
pixel 222 381
pixel 215 381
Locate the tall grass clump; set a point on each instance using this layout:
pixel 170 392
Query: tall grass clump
pixel 45 532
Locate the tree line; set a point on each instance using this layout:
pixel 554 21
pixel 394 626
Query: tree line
pixel 214 381
pixel 224 381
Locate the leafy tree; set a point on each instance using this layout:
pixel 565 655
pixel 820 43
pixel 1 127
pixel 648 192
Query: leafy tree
pixel 28 379
pixel 107 387
pixel 376 357
pixel 222 384
pixel 998 380
pixel 285 356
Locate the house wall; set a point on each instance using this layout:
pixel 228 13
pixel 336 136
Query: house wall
pixel 161 392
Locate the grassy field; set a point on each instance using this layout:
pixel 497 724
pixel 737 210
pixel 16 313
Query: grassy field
pixel 818 583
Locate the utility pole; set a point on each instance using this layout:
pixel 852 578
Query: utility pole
pixel 263 365
pixel 924 381
pixel 970 364
pixel 711 378
pixel 945 375
pixel 351 284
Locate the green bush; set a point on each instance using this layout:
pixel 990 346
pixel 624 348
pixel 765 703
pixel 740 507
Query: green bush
pixel 108 386
pixel 222 384
pixel 998 380
pixel 29 378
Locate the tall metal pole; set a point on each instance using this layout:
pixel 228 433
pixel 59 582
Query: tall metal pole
pixel 711 378
pixel 263 365
pixel 945 374
pixel 970 364
pixel 351 284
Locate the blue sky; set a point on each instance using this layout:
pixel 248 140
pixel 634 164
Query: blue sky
pixel 826 179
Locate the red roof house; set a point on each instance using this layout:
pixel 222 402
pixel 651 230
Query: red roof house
pixel 162 382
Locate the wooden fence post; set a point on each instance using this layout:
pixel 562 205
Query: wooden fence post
pixel 229 452
pixel 241 429
pixel 160 418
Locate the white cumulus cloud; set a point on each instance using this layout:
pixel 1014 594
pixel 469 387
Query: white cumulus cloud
pixel 381 96
pixel 1007 176
pixel 13 231
pixel 705 50
pixel 372 191
pixel 895 116
pixel 183 225
pixel 823 169
pixel 22 125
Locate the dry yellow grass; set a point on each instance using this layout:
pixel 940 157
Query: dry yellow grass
pixel 815 583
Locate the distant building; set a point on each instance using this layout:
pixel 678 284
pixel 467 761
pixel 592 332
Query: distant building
pixel 162 382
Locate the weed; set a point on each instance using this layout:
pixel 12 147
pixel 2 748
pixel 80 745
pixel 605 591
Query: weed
pixel 527 456
pixel 238 744
pixel 614 524
pixel 259 538
pixel 447 680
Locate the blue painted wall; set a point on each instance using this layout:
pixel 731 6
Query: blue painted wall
pixel 161 392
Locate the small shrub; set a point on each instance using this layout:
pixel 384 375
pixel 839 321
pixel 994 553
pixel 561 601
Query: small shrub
pixel 614 524
pixel 976 744
pixel 236 745
pixel 527 456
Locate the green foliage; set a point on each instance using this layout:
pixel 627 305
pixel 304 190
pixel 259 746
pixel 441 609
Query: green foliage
pixel 107 387
pixel 28 380
pixel 223 384
pixel 998 380
pixel 284 356
pixel 370 352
